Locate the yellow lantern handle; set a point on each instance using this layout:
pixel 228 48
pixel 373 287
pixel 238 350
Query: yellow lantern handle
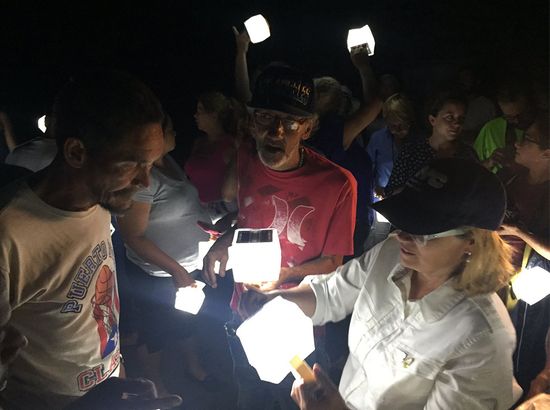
pixel 303 369
pixel 526 254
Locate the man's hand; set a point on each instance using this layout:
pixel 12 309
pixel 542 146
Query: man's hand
pixel 130 394
pixel 321 394
pixel 242 41
pixel 217 253
pixel 251 301
pixel 11 342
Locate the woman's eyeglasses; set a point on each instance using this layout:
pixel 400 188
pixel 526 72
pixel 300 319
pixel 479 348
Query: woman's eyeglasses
pixel 422 240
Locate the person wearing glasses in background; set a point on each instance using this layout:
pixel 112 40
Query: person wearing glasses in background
pixel 427 330
pixel 446 113
pixel 495 143
pixel 281 184
pixel 526 228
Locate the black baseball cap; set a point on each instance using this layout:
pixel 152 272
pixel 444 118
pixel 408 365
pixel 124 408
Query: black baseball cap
pixel 286 89
pixel 446 194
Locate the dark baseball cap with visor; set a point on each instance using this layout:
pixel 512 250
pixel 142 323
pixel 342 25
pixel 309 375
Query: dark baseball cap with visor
pixel 283 88
pixel 446 194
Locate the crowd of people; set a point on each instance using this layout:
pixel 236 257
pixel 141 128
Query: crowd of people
pixel 433 321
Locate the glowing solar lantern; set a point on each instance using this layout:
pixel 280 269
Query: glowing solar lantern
pixel 255 255
pixel 42 123
pixel 274 336
pixel 190 299
pixel 257 28
pixel 532 285
pixel 361 38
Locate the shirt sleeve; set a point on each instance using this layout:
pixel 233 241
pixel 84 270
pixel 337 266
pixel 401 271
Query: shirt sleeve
pixel 480 378
pixel 147 194
pixel 336 293
pixel 339 238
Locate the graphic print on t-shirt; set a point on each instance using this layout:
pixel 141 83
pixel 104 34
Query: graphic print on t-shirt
pixel 291 220
pixel 106 307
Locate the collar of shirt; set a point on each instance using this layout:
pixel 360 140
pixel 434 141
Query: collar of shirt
pixel 435 304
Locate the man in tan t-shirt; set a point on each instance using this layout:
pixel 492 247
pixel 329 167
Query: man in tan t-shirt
pixel 56 257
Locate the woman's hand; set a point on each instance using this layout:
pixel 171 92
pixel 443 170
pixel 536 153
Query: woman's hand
pixel 242 40
pixel 285 275
pixel 539 384
pixel 321 394
pixel 497 158
pixel 252 300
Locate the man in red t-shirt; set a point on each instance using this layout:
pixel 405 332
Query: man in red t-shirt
pixel 281 184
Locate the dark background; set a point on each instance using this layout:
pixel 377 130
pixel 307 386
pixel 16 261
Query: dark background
pixel 181 48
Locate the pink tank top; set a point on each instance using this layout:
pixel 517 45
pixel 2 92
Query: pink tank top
pixel 207 173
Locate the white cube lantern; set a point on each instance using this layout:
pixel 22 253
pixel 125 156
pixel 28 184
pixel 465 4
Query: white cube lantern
pixel 257 28
pixel 361 38
pixel 274 336
pixel 190 299
pixel 255 255
pixel 532 285
pixel 381 218
pixel 42 123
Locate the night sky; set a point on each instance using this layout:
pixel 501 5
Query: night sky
pixel 181 48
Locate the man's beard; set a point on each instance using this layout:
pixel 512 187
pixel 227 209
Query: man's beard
pixel 271 155
pixel 116 205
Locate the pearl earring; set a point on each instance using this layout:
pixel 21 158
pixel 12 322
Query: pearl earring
pixel 468 255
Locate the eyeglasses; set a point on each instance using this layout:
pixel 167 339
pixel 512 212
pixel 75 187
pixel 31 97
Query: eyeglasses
pixel 422 240
pixel 267 119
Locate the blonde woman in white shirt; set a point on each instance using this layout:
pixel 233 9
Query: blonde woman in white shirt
pixel 427 330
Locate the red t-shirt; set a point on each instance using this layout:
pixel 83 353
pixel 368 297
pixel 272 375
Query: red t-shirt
pixel 312 207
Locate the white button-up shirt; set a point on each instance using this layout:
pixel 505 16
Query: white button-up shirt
pixel 444 351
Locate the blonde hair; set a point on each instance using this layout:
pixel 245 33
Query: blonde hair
pixel 489 268
pixel 398 107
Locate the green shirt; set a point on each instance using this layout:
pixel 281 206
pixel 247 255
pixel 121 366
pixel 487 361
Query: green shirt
pixel 491 137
